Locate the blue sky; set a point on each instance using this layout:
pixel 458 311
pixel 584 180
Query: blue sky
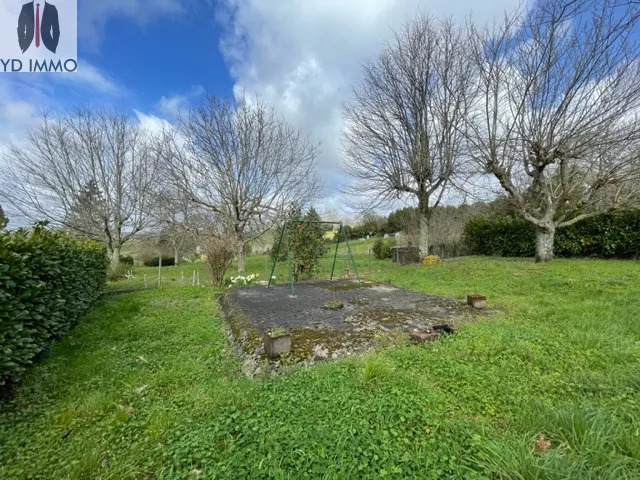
pixel 152 57
pixel 166 57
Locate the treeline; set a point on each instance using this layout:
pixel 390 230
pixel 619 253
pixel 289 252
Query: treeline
pixel 48 282
pixel 447 224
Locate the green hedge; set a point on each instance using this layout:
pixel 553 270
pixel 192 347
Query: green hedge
pixel 48 281
pixel 607 236
pixel 155 261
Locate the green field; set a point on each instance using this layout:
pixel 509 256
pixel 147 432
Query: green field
pixel 147 387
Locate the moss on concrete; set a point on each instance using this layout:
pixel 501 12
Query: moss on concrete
pixel 345 287
pixel 303 340
pixel 333 305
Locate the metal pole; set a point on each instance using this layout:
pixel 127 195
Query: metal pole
pixel 275 259
pixel 335 256
pixel 355 269
pixel 286 232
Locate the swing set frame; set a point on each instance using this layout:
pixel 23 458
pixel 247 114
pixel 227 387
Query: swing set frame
pixel 284 234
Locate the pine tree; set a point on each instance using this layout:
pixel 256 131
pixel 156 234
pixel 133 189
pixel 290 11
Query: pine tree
pixel 306 243
pixel 3 219
pixel 87 213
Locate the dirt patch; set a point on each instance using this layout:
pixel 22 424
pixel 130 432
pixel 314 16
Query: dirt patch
pixel 320 333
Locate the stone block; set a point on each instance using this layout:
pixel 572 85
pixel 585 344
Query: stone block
pixel 418 336
pixel 477 301
pixel 276 346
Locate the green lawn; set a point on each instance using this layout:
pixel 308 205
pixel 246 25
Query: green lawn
pixel 147 387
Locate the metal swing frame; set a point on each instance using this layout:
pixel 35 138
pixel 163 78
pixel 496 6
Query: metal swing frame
pixel 284 234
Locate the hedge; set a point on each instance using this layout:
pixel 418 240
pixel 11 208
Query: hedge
pixel 606 236
pixel 155 261
pixel 48 281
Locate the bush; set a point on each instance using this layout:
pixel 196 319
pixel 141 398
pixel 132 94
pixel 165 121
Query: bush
pixel 48 281
pixel 606 236
pixel 219 255
pixel 127 260
pixel 155 261
pixel 382 248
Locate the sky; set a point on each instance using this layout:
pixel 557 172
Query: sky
pixel 154 57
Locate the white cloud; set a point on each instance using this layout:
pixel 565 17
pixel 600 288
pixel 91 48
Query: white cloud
pixel 171 105
pixel 93 15
pixel 152 123
pixel 303 56
pixel 91 77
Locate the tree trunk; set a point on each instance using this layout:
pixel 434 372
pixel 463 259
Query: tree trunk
pixel 176 256
pixel 115 257
pixel 240 257
pixel 544 243
pixel 424 236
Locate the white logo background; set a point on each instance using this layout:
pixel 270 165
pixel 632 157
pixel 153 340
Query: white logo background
pixel 10 48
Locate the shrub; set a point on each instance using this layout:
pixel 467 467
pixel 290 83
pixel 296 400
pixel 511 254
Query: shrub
pixel 219 255
pixel 155 261
pixel 48 281
pixel 127 260
pixel 606 236
pixel 382 248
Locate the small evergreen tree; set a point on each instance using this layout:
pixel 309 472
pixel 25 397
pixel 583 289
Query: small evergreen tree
pixel 3 219
pixel 306 242
pixel 87 212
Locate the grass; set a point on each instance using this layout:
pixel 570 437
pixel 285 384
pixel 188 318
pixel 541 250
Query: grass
pixel 147 387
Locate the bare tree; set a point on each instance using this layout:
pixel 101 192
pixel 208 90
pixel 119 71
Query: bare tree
pixel 176 219
pixel 556 120
pixel 404 128
pixel 88 170
pixel 243 164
